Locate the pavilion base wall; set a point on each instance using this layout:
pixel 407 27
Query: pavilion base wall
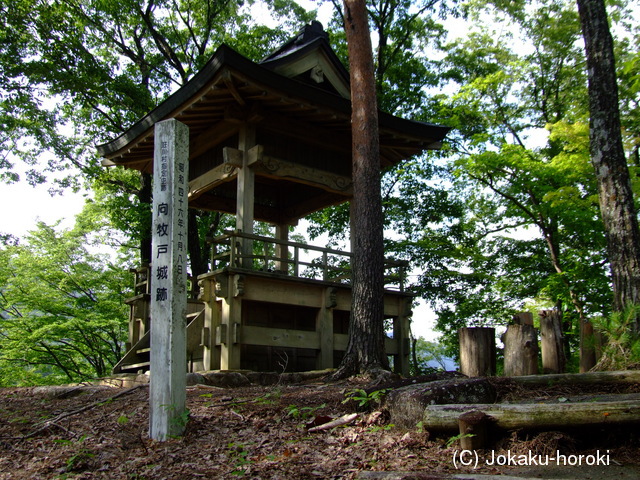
pixel 264 322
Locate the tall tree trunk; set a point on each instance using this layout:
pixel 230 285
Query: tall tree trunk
pixel 607 156
pixel 365 350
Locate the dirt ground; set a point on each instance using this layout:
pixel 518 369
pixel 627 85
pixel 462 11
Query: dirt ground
pixel 262 432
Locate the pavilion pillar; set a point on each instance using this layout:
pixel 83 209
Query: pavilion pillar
pixel 209 290
pixel 228 331
pixel 401 325
pixel 324 327
pixel 245 193
pixel 282 251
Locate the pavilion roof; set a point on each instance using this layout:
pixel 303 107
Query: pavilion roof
pixel 298 95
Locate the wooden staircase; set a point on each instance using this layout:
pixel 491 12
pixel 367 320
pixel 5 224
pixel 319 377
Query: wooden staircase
pixel 138 358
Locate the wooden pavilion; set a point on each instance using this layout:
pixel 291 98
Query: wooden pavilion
pixel 270 141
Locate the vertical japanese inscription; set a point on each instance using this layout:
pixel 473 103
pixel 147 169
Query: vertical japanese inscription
pixel 169 279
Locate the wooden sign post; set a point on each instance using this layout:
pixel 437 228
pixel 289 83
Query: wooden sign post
pixel 167 389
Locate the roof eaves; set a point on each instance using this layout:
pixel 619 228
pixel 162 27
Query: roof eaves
pixel 224 55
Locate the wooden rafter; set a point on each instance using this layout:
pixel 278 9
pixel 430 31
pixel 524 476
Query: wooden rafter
pixel 229 83
pixel 212 136
pixel 214 177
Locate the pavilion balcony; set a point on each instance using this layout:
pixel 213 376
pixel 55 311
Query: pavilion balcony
pixel 238 250
pixel 266 300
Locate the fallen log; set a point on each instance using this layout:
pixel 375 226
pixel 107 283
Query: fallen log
pixel 536 416
pixel 627 376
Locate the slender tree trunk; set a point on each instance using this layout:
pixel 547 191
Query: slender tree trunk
pixel 607 156
pixel 145 196
pixel 585 327
pixel 365 351
pixel 198 258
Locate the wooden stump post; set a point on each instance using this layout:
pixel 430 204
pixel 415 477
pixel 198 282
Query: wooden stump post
pixel 523 318
pixel 520 350
pixel 168 380
pixel 552 346
pixel 477 351
pixel 587 346
pixel 473 427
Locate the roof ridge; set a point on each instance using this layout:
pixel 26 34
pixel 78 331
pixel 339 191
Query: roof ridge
pixel 305 36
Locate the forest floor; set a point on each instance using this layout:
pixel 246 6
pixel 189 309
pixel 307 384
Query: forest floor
pixel 262 432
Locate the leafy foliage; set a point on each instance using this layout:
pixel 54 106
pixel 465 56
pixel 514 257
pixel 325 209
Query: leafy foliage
pixel 507 214
pixel 364 400
pixel 73 74
pixel 532 231
pixel 621 349
pixel 63 316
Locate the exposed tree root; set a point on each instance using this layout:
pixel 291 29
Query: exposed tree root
pixel 373 374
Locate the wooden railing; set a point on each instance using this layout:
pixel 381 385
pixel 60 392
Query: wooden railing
pixel 236 249
pixel 142 283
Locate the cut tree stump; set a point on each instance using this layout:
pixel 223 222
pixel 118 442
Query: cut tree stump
pixel 551 341
pixel 477 351
pixel 474 430
pixel 523 318
pixel 520 350
pixel 536 416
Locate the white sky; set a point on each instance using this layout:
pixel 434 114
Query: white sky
pixel 23 206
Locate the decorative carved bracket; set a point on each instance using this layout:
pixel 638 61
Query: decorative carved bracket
pixel 214 177
pixel 204 293
pixel 330 297
pixel 221 285
pixel 267 166
pixel 238 285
